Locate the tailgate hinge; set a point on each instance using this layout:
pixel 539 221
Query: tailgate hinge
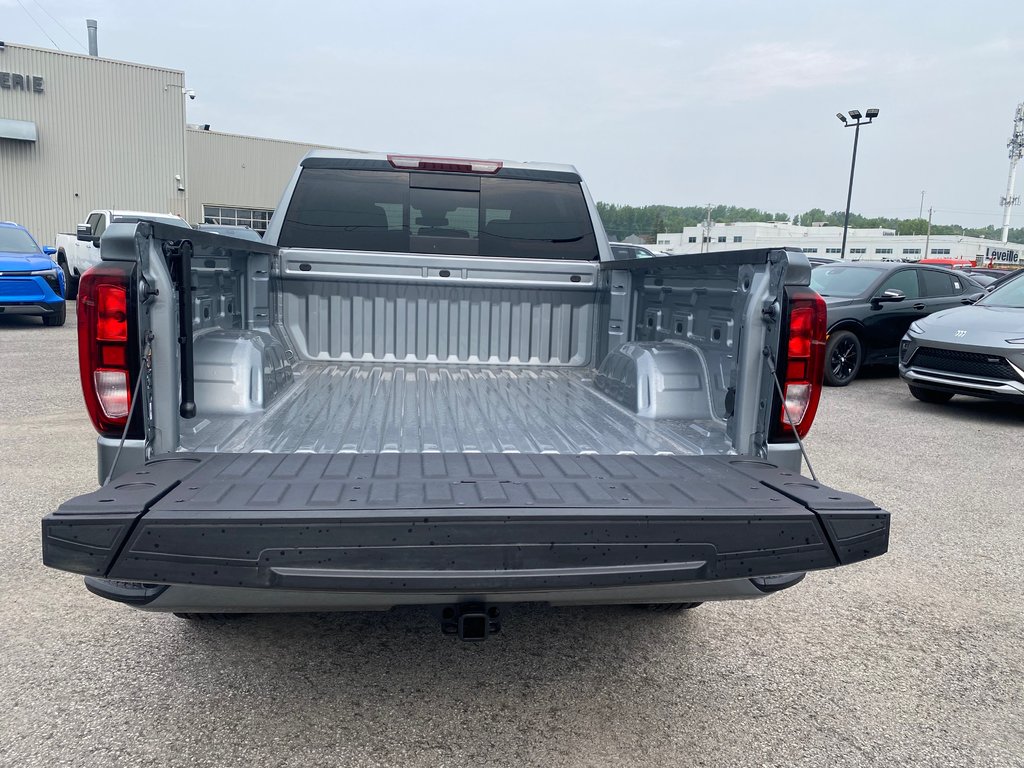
pixel 771 310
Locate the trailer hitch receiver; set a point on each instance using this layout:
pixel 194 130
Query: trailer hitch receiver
pixel 472 622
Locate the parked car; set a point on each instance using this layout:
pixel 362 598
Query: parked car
pixel 1006 276
pixel 367 410
pixel 993 272
pixel 817 261
pixel 623 251
pixel 871 305
pixel 981 278
pixel 950 263
pixel 31 283
pixel 81 250
pixel 232 230
pixel 976 350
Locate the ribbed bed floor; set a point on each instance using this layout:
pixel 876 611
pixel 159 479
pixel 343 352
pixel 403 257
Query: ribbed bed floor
pixel 401 408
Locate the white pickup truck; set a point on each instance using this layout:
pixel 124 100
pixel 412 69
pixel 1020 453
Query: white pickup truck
pixel 78 251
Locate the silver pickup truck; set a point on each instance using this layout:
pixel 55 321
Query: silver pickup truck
pixel 432 384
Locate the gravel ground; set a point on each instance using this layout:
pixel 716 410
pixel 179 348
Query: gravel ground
pixel 914 658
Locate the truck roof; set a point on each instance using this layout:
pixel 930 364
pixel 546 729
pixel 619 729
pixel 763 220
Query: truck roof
pixel 138 214
pixel 349 154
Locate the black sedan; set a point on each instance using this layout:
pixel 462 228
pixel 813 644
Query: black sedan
pixel 872 304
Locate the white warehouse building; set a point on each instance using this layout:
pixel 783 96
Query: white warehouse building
pixel 861 244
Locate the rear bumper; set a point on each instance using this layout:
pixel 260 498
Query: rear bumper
pixel 366 531
pixel 199 599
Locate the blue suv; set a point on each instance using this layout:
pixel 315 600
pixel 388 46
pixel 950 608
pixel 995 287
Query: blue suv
pixel 31 283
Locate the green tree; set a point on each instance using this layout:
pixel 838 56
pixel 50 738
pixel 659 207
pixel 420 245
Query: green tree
pixel 813 216
pixel 647 221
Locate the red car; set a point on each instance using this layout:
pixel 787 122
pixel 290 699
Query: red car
pixel 949 263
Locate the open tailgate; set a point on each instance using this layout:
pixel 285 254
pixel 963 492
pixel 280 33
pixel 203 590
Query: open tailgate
pixel 459 522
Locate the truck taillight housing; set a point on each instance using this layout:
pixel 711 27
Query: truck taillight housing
pixel 804 361
pixel 108 350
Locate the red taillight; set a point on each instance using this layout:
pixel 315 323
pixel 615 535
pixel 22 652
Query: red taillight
pixel 805 361
pixel 449 164
pixel 111 313
pixel 105 354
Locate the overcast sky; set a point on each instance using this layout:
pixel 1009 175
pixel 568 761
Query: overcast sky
pixel 655 102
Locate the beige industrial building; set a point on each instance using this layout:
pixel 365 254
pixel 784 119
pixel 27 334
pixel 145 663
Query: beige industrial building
pixel 81 132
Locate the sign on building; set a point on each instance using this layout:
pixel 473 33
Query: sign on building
pixel 1002 256
pixel 15 81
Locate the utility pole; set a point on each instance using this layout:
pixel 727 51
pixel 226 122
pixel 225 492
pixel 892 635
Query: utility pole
pixel 920 211
pixel 928 237
pixel 707 230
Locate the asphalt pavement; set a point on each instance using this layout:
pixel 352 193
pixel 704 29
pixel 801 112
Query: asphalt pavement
pixel 911 659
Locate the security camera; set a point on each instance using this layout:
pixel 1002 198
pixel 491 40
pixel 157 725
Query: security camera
pixel 191 94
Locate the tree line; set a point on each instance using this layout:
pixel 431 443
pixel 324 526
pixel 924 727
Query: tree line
pixel 621 221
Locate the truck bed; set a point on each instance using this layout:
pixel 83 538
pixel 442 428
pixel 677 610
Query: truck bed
pixel 414 408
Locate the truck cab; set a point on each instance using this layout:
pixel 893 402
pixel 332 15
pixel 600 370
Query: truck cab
pixel 81 250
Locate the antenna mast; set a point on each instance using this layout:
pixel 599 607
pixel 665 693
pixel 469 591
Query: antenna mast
pixel 1016 147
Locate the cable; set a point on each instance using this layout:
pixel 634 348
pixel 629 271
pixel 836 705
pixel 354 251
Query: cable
pixel 772 368
pixel 39 25
pixel 84 46
pixel 146 355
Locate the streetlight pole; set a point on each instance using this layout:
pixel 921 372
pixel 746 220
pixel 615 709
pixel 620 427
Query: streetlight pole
pixel 928 236
pixel 855 114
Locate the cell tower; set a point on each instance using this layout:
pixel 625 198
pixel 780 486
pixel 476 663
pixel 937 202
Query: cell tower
pixel 1016 145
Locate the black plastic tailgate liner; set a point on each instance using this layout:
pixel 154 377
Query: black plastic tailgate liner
pixel 457 521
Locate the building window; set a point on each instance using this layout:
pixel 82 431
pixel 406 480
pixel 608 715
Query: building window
pixel 256 218
pixel 883 250
pixel 663 242
pixel 737 238
pixel 692 239
pixel 911 251
pixel 858 250
pixel 721 238
pixel 940 251
pixel 833 250
pixel 810 250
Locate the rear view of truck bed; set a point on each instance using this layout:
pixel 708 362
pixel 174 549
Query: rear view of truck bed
pixel 432 385
pixel 378 408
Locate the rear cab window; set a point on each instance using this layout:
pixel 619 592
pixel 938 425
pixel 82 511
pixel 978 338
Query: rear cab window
pixel 397 211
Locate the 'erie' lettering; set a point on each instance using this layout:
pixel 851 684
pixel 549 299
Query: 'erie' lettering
pixel 13 81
